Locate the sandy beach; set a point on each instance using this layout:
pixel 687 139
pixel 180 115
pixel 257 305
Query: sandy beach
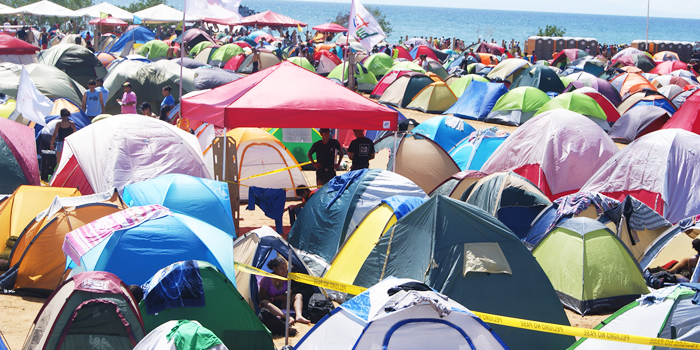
pixel 20 312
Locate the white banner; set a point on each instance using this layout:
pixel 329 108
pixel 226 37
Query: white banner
pixel 31 102
pixel 217 9
pixel 363 27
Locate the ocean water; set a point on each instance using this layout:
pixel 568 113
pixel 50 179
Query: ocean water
pixel 471 24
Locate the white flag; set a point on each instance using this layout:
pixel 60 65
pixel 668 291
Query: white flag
pixel 363 27
pixel 31 102
pixel 217 9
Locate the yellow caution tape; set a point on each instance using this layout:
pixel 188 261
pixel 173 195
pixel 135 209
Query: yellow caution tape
pixel 583 332
pixel 275 171
pixel 492 319
pixel 255 271
pixel 325 283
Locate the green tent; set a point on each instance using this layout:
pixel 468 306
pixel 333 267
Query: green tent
pixel 541 77
pixel 579 103
pixel 298 142
pixel 379 64
pixel 470 256
pixel 51 81
pixel 199 47
pixel 222 310
pixel 517 106
pixel 408 65
pixel 459 84
pixel 510 198
pixel 224 53
pixel 589 266
pixel 366 81
pixel 154 49
pixel 302 62
pixel 78 62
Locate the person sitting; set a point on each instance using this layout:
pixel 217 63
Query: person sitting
pixel 294 210
pixel 685 267
pixel 273 293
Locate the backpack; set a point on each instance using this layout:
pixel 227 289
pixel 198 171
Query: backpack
pixel 319 307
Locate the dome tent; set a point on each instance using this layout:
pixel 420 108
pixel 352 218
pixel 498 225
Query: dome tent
pixel 368 322
pixel 76 61
pixel 198 291
pixel 49 80
pixel 180 332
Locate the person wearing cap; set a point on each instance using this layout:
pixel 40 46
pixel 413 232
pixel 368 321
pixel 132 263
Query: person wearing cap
pixel 360 151
pixel 146 110
pixel 328 157
pixel 128 100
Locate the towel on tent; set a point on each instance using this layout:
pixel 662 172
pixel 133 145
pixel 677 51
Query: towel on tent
pixel 178 285
pixel 271 201
pixel 192 336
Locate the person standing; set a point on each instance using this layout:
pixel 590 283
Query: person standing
pixel 128 100
pixel 103 91
pixel 256 60
pixel 63 129
pixel 328 156
pixel 93 104
pixel 44 39
pixel 360 151
pixel 168 99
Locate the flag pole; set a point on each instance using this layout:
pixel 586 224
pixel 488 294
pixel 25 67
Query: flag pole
pixel 347 40
pixel 182 63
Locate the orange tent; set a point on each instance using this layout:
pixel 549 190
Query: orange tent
pixel 37 252
pixel 629 83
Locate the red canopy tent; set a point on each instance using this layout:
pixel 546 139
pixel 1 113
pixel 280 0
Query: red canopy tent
pixel 330 28
pixel 271 19
pixel 265 99
pixel 108 21
pixel 10 45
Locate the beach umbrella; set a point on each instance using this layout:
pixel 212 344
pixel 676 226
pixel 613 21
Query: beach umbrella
pixel 330 28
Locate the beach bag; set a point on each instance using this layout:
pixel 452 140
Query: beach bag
pixel 272 322
pixel 319 307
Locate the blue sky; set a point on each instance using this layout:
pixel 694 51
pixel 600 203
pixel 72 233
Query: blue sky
pixel 658 8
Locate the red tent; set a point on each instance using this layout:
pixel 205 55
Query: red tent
pixel 330 28
pixel 287 96
pixel 109 21
pixel 12 46
pixel 667 67
pixel 403 53
pixel 269 18
pixel 235 62
pixel 424 50
pixel 688 116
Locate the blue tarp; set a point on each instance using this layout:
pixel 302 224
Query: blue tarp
pixel 477 100
pixel 446 131
pixel 402 205
pixel 140 35
pixel 203 199
pixel 661 102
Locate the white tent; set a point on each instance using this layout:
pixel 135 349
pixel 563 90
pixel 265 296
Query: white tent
pixel 42 8
pixel 162 14
pixel 408 319
pixel 105 7
pixel 5 8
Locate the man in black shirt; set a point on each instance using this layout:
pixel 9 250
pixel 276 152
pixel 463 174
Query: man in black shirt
pixel 21 34
pixel 361 150
pixel 328 157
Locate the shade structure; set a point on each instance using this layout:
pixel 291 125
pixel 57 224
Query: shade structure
pixel 271 19
pixel 94 11
pixel 330 28
pixel 264 100
pixel 109 21
pixel 43 8
pixel 10 45
pixel 162 13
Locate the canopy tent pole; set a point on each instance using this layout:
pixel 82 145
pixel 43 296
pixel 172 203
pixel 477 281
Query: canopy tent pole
pixel 182 63
pixel 289 295
pixel 647 44
pixel 396 136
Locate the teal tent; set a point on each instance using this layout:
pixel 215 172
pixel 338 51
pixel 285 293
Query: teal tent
pixel 468 255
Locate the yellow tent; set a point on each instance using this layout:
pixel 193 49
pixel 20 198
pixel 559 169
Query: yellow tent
pixel 352 255
pixel 38 251
pixel 260 152
pixel 25 204
pixel 434 98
